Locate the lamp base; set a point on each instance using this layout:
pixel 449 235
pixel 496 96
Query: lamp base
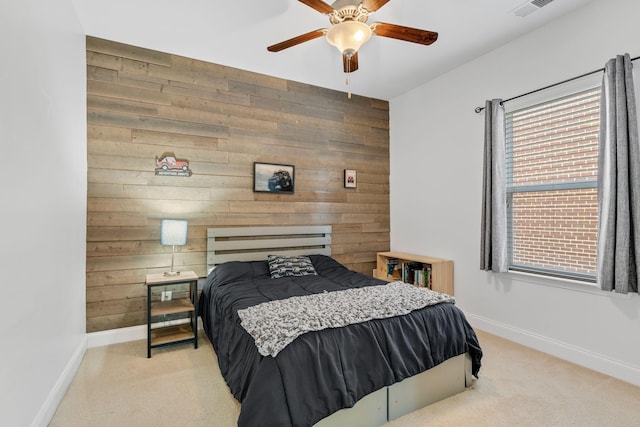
pixel 171 273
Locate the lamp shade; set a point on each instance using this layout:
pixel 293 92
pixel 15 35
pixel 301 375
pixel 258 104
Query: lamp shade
pixel 348 36
pixel 174 232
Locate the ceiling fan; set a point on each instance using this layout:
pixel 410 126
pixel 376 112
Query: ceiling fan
pixel 349 30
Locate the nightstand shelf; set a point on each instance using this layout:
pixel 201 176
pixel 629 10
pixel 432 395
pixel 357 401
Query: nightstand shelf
pixel 171 335
pixel 171 307
pixel 165 325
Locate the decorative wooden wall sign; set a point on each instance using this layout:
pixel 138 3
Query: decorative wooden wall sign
pixel 169 165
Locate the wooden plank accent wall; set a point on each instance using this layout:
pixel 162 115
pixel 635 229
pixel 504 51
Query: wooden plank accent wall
pixel 142 103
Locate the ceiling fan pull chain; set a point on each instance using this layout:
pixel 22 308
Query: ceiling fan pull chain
pixel 348 74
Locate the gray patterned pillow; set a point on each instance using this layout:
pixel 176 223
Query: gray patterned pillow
pixel 285 266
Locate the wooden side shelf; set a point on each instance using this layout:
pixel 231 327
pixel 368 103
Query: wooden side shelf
pixel 441 269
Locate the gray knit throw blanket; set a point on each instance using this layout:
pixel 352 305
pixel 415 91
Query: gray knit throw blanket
pixel 275 324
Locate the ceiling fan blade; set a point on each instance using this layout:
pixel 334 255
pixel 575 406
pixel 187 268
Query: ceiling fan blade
pixel 408 34
pixel 373 5
pixel 318 5
pixel 350 64
pixel 296 40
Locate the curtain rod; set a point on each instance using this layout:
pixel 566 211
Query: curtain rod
pixel 479 109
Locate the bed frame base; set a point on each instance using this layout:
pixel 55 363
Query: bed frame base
pixel 447 379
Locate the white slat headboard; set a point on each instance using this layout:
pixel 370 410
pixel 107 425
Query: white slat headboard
pixel 255 243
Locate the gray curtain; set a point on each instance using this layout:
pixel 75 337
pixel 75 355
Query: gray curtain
pixel 493 251
pixel 618 252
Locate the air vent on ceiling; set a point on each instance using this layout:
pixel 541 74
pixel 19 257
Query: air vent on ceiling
pixel 530 7
pixel 541 3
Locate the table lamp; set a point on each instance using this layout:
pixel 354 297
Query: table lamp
pixel 174 233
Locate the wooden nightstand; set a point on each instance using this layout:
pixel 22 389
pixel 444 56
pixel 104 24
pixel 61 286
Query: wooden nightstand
pixel 169 297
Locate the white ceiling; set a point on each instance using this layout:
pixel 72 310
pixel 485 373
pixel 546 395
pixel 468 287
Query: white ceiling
pixel 236 33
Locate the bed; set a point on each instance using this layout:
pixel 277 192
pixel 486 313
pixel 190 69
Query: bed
pixel 362 374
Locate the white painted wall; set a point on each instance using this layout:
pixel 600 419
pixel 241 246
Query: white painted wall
pixel 43 213
pixel 436 174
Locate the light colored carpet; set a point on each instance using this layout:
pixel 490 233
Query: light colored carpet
pixel 118 386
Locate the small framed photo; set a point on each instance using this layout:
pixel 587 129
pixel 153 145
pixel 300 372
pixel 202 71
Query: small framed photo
pixel 273 178
pixel 350 178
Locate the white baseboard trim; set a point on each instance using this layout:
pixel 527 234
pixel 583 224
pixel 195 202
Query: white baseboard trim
pixel 115 336
pixel 120 335
pixel 50 406
pixel 588 359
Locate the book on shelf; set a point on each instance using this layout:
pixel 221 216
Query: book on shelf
pixel 412 272
pixel 417 273
pixel 426 278
pixel 392 265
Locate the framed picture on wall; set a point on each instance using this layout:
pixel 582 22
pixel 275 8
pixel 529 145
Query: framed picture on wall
pixel 350 178
pixel 273 178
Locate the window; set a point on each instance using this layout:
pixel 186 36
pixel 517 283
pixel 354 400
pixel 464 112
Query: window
pixel 552 196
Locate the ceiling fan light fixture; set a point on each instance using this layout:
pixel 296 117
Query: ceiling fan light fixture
pixel 348 36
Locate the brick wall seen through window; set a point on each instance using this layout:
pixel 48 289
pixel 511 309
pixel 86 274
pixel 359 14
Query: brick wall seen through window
pixel 552 152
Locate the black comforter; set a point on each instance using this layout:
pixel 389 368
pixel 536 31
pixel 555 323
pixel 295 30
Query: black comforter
pixel 320 372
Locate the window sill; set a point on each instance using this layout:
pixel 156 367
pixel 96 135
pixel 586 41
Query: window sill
pixel 562 283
